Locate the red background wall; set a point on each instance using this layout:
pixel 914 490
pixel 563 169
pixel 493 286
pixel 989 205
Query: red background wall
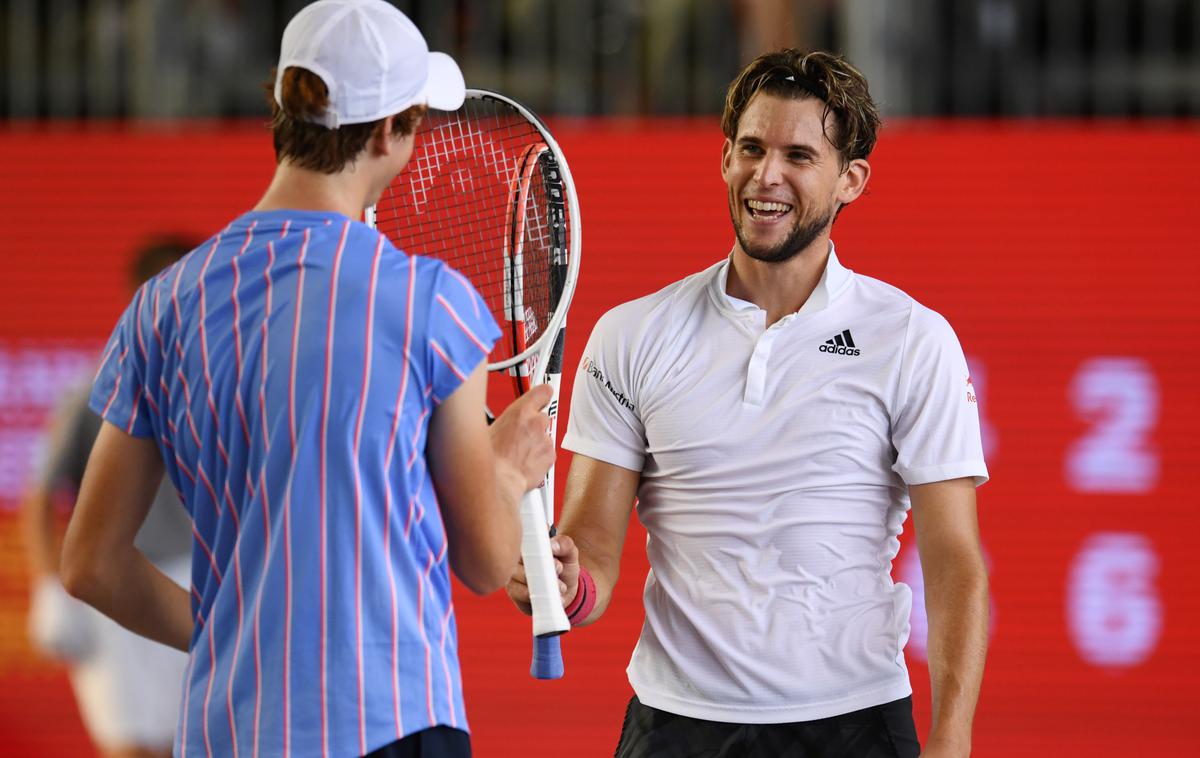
pixel 1065 255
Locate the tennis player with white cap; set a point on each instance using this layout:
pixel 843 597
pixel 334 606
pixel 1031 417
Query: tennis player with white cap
pixel 316 396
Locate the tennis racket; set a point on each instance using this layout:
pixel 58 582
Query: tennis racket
pixel 487 190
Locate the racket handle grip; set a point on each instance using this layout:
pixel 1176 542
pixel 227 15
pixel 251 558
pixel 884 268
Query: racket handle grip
pixel 547 658
pixel 548 615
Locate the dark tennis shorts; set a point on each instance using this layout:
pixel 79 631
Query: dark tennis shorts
pixel 883 731
pixel 436 742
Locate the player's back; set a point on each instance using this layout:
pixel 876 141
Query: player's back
pixel 289 383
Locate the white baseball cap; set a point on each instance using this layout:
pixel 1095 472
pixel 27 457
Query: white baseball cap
pixel 372 59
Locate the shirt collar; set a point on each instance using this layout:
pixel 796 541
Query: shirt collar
pixel 833 280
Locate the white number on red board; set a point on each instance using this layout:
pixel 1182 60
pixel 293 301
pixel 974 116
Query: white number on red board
pixel 1119 397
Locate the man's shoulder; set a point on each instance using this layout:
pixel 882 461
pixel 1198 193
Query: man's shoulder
pixel 673 301
pixel 321 234
pixel 883 298
pixel 918 320
pixel 881 292
pixel 361 236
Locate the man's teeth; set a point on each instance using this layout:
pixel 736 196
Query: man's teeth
pixel 758 205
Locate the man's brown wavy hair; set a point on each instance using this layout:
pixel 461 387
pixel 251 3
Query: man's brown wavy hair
pixel 313 146
pixel 825 76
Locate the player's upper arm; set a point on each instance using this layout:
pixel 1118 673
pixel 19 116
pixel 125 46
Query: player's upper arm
pixel 119 485
pixel 606 403
pixel 947 527
pixel 596 510
pixel 483 532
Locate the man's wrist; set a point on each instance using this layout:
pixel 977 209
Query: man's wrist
pixel 585 598
pixel 510 484
pixel 948 743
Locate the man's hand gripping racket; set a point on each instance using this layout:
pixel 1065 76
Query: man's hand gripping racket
pixel 488 191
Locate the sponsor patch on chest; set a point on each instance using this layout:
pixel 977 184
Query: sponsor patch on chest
pixel 840 344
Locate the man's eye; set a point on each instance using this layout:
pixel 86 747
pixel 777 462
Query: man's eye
pixel 798 157
pixel 751 149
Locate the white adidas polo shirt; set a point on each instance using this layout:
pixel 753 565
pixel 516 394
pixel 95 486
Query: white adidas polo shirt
pixel 775 465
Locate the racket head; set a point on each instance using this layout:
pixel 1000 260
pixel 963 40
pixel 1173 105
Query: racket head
pixel 488 191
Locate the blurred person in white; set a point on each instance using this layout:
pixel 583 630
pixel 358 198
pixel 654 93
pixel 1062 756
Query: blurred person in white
pixel 127 687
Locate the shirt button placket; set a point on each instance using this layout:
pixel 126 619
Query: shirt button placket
pixel 756 373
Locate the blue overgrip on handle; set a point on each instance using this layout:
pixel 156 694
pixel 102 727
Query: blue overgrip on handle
pixel 547 658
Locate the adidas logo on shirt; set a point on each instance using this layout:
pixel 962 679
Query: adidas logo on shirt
pixel 842 344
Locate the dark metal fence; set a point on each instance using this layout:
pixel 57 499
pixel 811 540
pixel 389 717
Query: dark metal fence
pixel 205 58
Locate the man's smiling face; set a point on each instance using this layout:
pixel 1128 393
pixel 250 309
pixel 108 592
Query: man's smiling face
pixel 785 178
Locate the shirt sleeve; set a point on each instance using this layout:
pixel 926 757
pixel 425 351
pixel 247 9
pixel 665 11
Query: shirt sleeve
pixel 605 421
pixel 936 425
pixel 118 393
pixel 462 331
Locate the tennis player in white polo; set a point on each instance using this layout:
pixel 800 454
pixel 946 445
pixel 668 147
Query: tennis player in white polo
pixel 776 416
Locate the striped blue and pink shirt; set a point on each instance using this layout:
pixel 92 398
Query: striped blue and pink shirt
pixel 287 370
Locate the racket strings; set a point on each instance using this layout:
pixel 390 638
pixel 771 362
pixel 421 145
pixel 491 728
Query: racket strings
pixel 455 202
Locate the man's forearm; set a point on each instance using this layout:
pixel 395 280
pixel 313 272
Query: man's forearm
pixel 99 564
pixel 957 609
pixel 603 579
pixel 137 595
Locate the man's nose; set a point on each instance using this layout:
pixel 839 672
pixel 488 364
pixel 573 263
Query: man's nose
pixel 769 172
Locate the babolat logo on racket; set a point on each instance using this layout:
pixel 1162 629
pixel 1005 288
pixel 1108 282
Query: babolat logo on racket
pixel 842 344
pixel 591 369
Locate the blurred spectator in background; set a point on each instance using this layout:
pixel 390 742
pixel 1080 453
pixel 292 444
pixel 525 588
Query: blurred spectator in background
pixel 767 25
pixel 127 687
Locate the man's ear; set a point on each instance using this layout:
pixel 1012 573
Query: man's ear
pixel 726 156
pixel 381 142
pixel 853 181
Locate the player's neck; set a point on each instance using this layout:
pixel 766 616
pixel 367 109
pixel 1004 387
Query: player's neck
pixel 296 188
pixel 778 288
